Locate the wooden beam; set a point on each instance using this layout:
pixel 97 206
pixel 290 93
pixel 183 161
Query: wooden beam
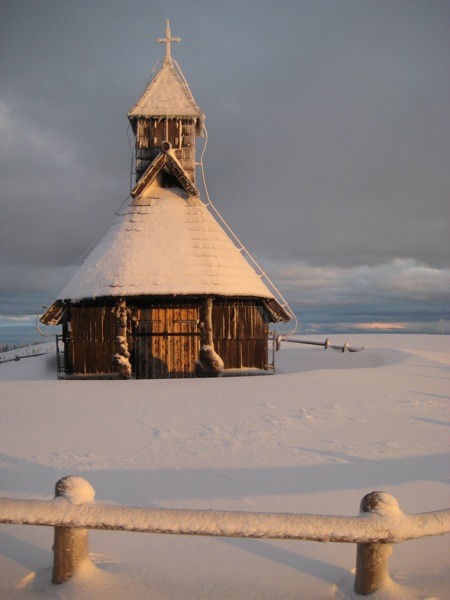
pixel 164 159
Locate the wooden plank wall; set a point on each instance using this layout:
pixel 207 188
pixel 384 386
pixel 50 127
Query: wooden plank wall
pixel 158 355
pixel 240 331
pixel 91 344
pixel 179 132
pixel 162 344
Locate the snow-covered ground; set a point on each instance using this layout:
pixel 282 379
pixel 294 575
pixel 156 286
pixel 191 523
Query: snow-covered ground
pixel 326 429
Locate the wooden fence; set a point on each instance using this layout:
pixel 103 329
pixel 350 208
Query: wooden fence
pixel 72 512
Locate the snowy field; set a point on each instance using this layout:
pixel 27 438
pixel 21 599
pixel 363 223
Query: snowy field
pixel 326 429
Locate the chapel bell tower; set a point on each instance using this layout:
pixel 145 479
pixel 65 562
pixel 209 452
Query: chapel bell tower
pixel 166 117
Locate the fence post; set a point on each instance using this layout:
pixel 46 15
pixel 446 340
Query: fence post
pixel 70 547
pixel 371 559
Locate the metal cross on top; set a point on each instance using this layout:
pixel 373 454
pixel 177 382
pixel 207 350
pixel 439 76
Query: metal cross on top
pixel 167 40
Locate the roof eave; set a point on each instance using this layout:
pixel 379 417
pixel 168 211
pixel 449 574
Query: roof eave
pixel 54 313
pixel 199 119
pixel 277 311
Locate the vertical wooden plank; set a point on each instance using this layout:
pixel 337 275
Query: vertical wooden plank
pixel 156 343
pixel 151 350
pixel 92 363
pixel 145 345
pixel 161 357
pixel 161 342
pixel 137 354
pixel 187 351
pixel 185 329
pixel 169 349
pixel 164 345
pixel 181 328
pixel 173 340
pixel 187 356
pixel 170 343
pixel 141 355
pixel 138 349
pixel 153 344
pixel 138 344
pixel 147 350
pixel 195 342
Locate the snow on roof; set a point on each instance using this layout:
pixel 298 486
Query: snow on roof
pixel 165 243
pixel 166 96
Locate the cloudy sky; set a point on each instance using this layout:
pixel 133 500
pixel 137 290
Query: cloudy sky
pixel 328 152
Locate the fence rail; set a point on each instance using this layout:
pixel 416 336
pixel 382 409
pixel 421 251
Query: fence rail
pixel 72 512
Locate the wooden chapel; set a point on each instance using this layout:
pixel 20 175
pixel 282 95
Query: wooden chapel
pixel 165 293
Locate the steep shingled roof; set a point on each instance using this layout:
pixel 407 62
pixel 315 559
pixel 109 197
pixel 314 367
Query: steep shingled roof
pixel 167 96
pixel 165 243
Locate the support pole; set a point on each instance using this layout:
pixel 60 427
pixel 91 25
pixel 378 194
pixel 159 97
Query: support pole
pixel 372 559
pixel 209 363
pixel 70 548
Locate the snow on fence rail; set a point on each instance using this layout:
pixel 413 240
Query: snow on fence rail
pixel 72 512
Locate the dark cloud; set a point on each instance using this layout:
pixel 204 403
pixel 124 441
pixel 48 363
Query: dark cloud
pixel 329 135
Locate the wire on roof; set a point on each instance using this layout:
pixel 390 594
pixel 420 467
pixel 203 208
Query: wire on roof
pixel 241 247
pixel 132 162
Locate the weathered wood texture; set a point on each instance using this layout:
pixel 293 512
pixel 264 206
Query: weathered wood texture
pixel 240 331
pixel 91 341
pixel 150 133
pixel 166 342
pixel 165 169
pixel 165 339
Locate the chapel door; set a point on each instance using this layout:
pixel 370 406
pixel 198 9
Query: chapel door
pixel 166 342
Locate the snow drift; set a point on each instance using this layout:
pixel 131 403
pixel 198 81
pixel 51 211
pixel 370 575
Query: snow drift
pixel 328 428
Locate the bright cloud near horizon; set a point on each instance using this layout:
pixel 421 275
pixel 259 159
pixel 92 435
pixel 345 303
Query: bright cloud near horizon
pixel 328 152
